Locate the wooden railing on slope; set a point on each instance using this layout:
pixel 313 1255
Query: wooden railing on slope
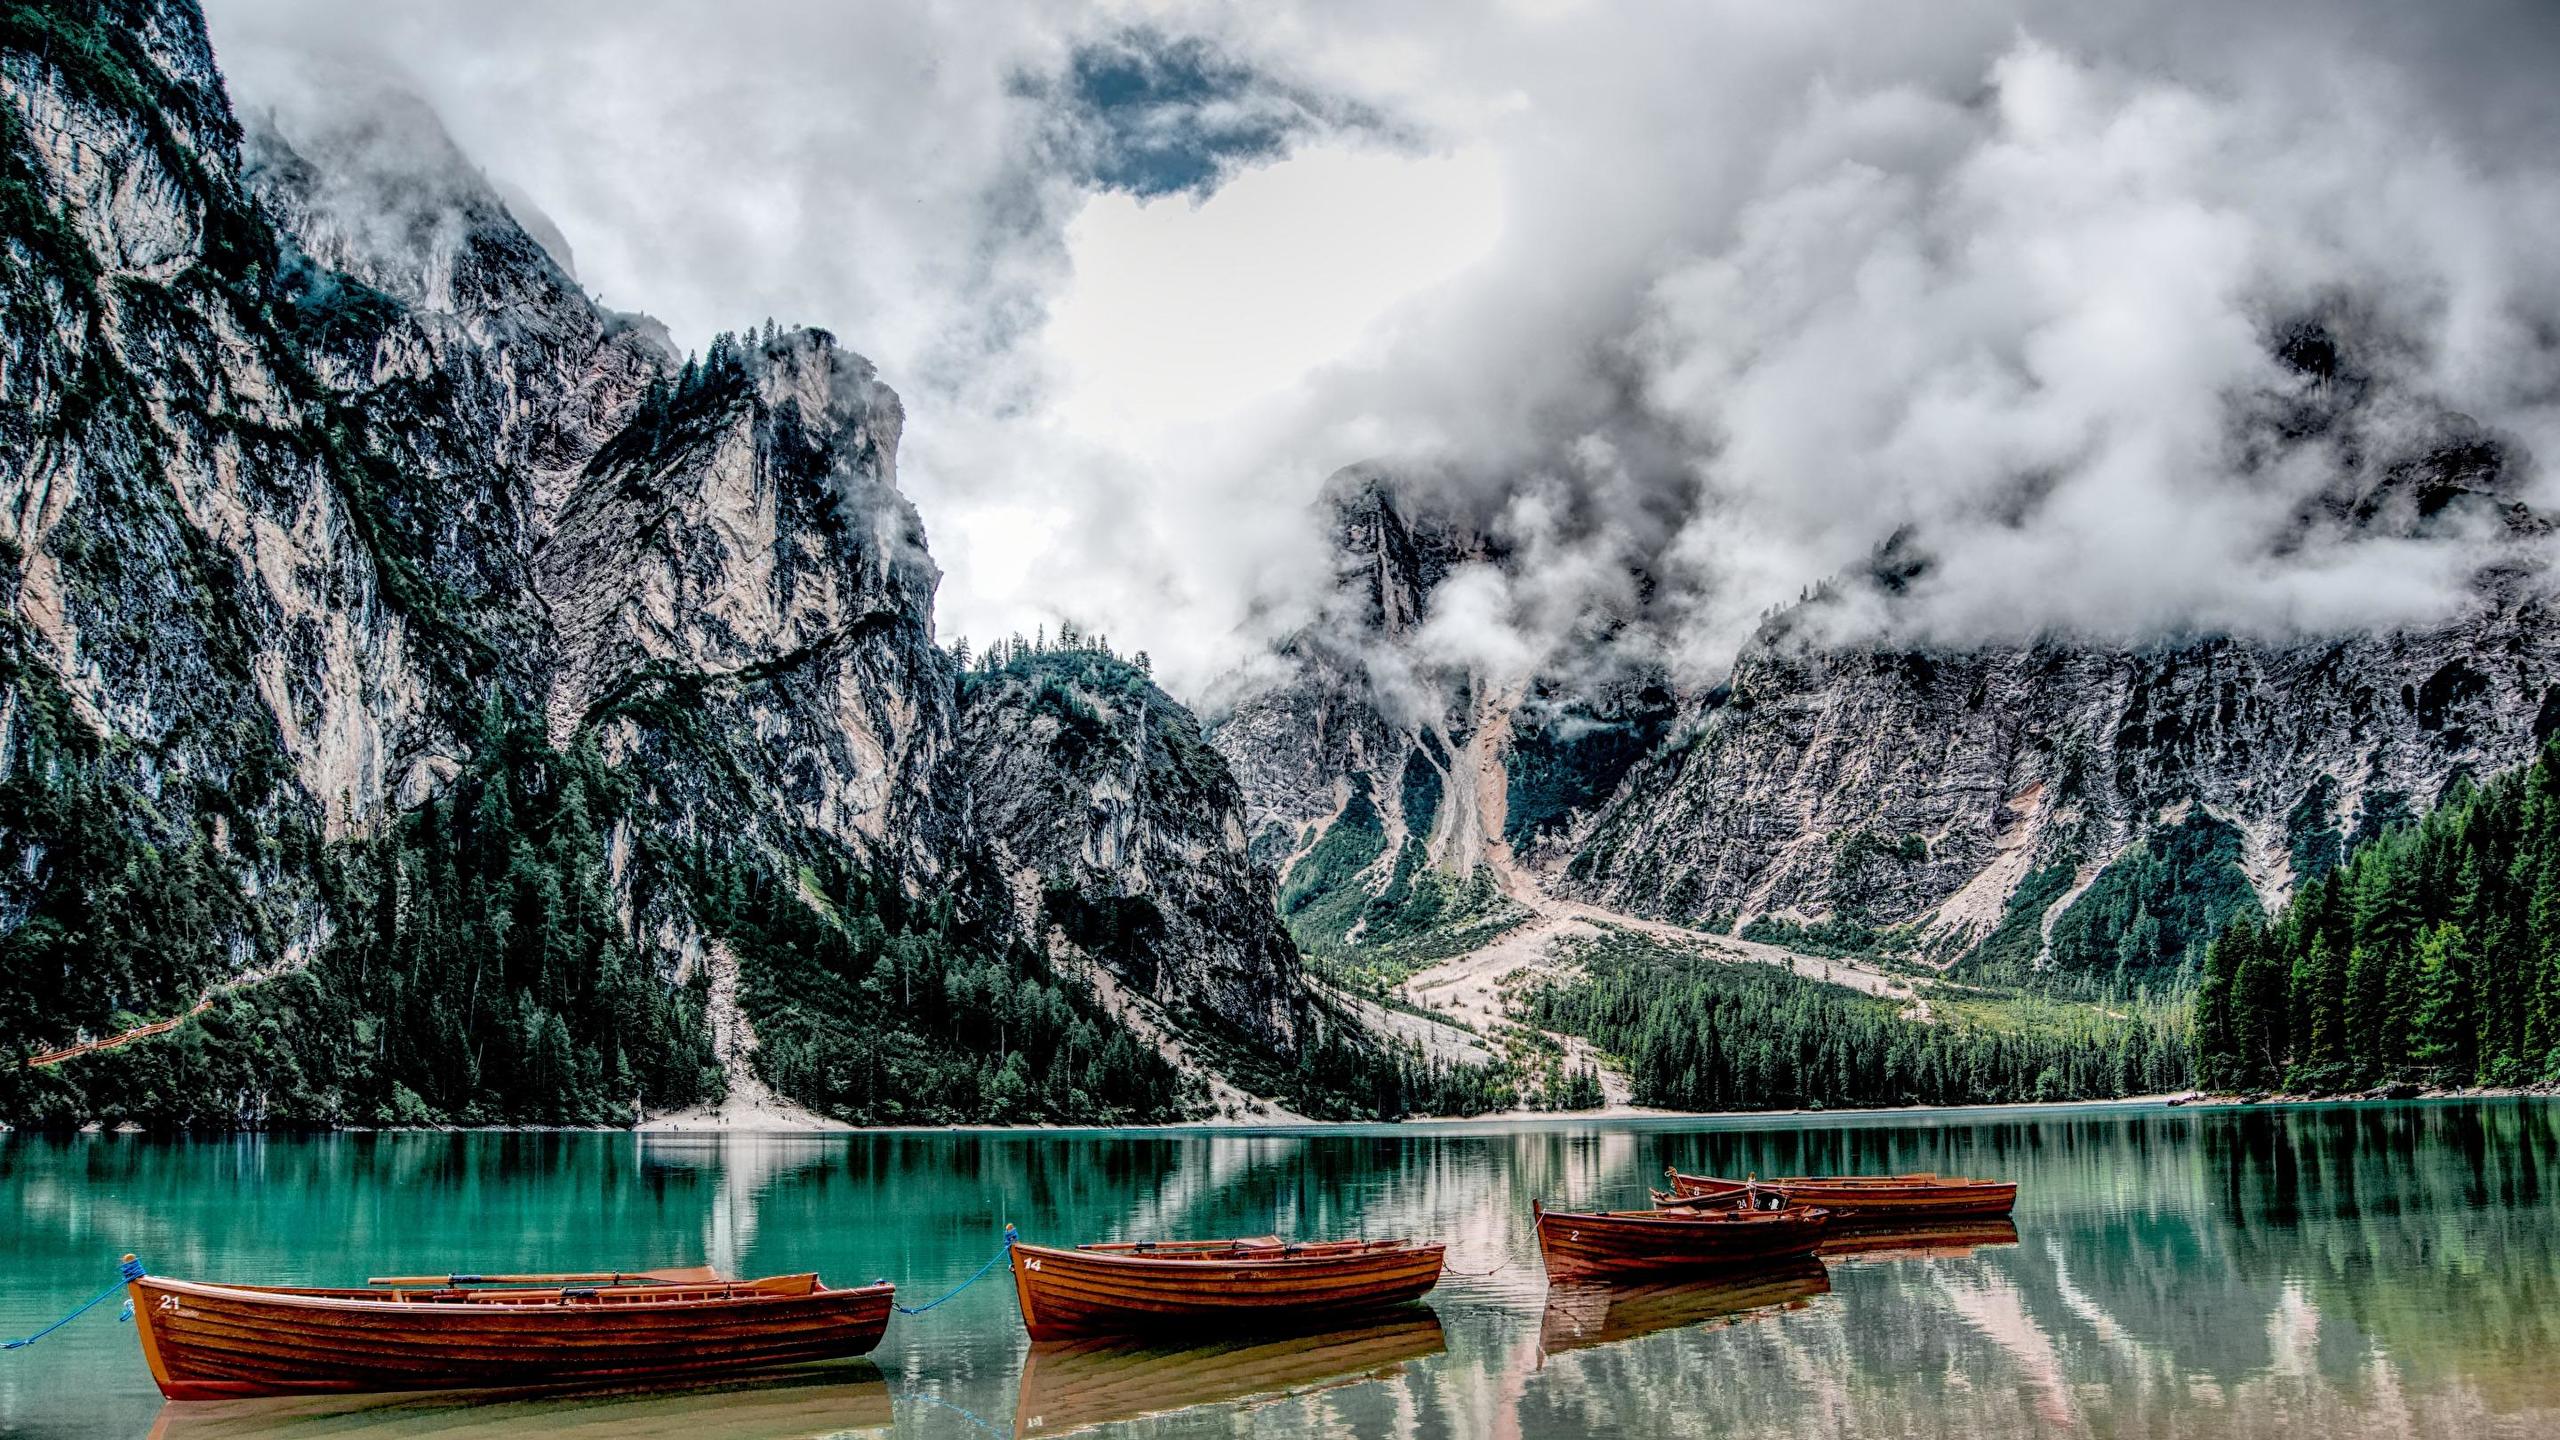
pixel 115 1042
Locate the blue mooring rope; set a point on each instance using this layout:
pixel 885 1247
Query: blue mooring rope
pixel 131 1270
pixel 992 1261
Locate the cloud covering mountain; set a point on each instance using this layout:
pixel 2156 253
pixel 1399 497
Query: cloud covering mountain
pixel 2103 319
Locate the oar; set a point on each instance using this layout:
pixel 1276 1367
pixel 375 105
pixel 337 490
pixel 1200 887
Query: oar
pixel 612 1277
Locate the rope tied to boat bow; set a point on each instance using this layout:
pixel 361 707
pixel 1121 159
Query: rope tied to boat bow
pixel 953 1293
pixel 129 1271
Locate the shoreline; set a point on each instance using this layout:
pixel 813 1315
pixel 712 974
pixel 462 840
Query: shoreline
pixel 659 1129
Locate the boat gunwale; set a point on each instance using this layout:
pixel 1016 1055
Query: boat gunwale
pixel 540 1302
pixel 1373 1252
pixel 1685 1215
pixel 1845 1182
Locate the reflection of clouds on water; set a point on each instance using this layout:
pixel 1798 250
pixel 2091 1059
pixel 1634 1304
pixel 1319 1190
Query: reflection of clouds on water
pixel 2293 1334
pixel 2173 1273
pixel 1209 1171
pixel 745 1166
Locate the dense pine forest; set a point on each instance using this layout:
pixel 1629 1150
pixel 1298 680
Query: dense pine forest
pixel 1700 1034
pixel 1341 1072
pixel 481 976
pixel 875 1010
pixel 2431 956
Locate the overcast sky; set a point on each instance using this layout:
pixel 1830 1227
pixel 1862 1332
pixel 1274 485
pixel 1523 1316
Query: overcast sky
pixel 1721 294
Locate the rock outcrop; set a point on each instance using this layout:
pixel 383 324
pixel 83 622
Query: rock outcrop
pixel 1913 796
pixel 313 460
pixel 1122 837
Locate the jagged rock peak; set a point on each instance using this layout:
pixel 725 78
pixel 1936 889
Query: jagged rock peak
pixel 1122 836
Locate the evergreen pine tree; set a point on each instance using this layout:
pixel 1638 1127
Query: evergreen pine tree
pixel 2320 1014
pixel 2219 1011
pixel 2444 1032
pixel 2367 1011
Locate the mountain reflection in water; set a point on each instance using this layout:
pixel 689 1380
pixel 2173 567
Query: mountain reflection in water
pixel 2380 1269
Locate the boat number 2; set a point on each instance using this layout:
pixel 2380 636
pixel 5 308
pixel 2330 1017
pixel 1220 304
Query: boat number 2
pixel 1031 1262
pixel 1573 1234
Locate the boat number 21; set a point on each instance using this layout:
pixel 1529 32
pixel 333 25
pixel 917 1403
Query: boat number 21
pixel 168 1302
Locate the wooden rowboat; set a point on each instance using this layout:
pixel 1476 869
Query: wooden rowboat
pixel 1588 1243
pixel 1857 1198
pixel 1152 1287
pixel 1582 1313
pixel 215 1342
pixel 1073 1385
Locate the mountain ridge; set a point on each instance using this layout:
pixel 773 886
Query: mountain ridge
pixel 504 656
pixel 1840 794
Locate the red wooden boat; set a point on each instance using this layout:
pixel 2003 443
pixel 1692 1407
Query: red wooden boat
pixel 1856 1198
pixel 471 1332
pixel 1583 1243
pixel 1149 1287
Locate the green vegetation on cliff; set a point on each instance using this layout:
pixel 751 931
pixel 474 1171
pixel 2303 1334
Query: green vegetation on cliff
pixel 878 1010
pixel 1564 759
pixel 478 973
pixel 2432 955
pixel 2160 900
pixel 1701 1034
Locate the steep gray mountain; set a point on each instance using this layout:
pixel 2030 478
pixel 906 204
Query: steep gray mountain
pixel 1849 796
pixel 1121 837
pixel 362 565
pixel 1399 796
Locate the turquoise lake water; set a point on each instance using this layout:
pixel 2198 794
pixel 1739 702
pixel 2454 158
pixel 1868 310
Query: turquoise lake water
pixel 2384 1269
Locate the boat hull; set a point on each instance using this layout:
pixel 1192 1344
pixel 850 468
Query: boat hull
pixel 221 1342
pixel 1071 1294
pixel 1856 1200
pixel 1578 1245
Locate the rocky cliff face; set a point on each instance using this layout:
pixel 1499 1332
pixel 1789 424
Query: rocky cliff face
pixel 1920 787
pixel 1298 746
pixel 1854 795
pixel 1121 835
pixel 313 461
pixel 1943 793
pixel 1395 792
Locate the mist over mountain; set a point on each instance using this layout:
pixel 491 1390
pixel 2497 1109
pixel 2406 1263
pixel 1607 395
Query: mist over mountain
pixel 1583 504
pixel 1729 299
pixel 477 710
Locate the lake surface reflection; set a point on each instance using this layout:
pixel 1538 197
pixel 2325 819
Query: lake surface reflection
pixel 2386 1269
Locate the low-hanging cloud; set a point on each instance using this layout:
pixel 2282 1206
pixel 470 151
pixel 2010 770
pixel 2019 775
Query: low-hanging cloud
pixel 1743 293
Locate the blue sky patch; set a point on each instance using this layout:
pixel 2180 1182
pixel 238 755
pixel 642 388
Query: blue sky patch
pixel 1152 114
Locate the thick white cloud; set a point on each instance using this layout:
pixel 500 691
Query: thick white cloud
pixel 1723 294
